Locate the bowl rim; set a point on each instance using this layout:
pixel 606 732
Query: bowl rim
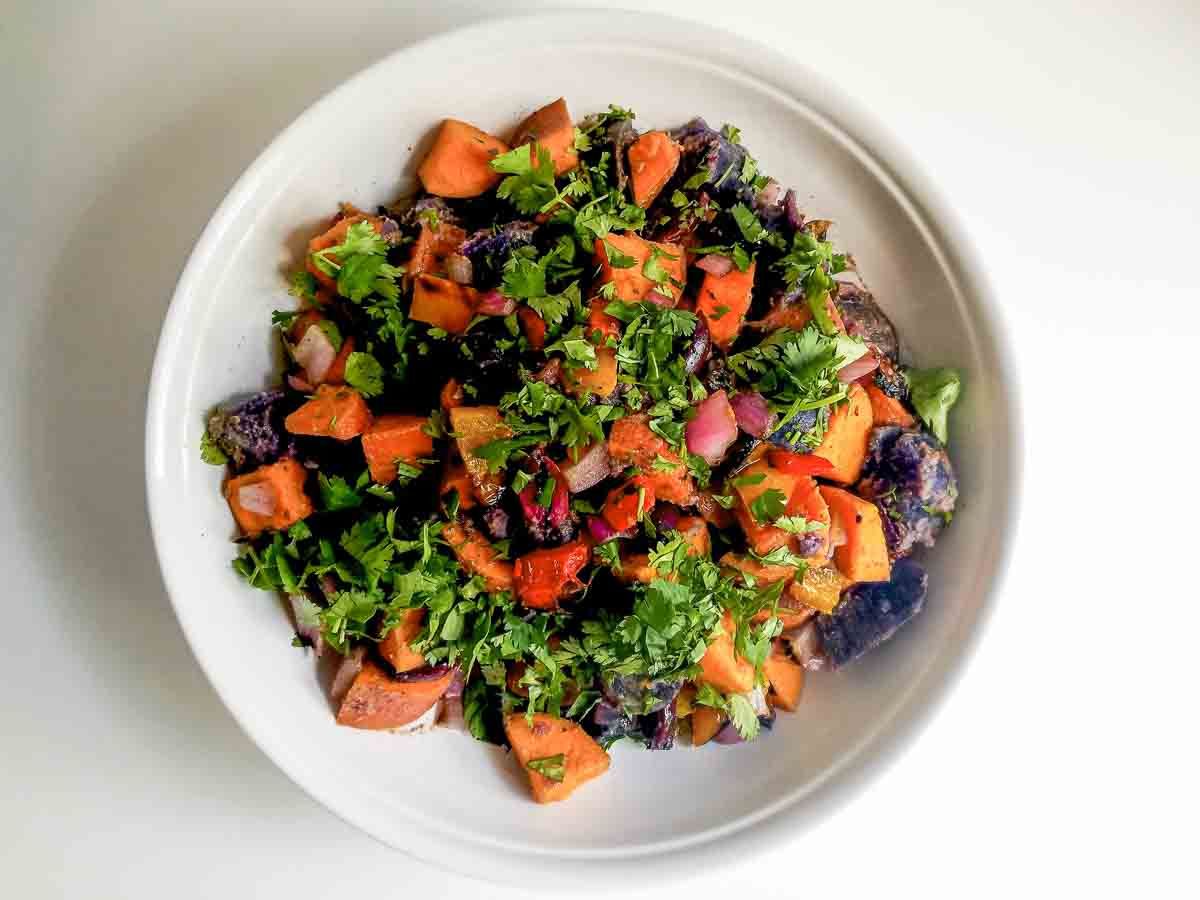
pixel 948 239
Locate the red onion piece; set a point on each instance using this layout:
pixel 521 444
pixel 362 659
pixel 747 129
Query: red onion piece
pixel 715 264
pixel 311 633
pixel 560 502
pixel 753 414
pixel 600 530
pixel 805 645
pixel 770 193
pixel 457 685
pixel 591 469
pixel 299 384
pixel 257 498
pixel 315 354
pixel 493 303
pixel 713 429
pixel 452 714
pixel 697 352
pixel 660 298
pixel 460 269
pixel 428 673
pixel 864 365
pixel 666 516
pixel 728 735
pixel 351 665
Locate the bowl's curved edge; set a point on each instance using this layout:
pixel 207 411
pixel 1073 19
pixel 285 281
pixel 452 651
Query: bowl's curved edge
pixel 947 234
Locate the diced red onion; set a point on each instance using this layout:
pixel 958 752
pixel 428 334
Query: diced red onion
pixel 660 298
pixel 453 715
pixel 697 352
pixel 600 530
pixel 666 516
pixel 311 633
pixel 560 502
pixel 315 354
pixel 715 264
pixel 460 269
pixel 257 498
pixel 494 303
pixel 794 216
pixel 591 469
pixel 728 735
pixel 713 429
pixel 805 645
pixel 299 384
pixel 770 193
pixel 426 673
pixel 457 685
pixel 864 365
pixel 753 414
pixel 351 665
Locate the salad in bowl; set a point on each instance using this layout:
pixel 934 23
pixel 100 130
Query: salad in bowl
pixel 596 438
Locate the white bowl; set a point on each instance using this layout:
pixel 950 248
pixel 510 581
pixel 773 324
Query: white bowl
pixel 444 797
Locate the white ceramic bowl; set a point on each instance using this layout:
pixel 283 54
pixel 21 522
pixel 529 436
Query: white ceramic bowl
pixel 444 797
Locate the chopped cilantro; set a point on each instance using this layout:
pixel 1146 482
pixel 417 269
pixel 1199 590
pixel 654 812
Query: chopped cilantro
pixel 551 767
pixel 934 392
pixel 364 374
pixel 210 451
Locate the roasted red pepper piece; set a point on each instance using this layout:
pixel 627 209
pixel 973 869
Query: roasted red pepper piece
pixel 622 508
pixel 799 463
pixel 544 577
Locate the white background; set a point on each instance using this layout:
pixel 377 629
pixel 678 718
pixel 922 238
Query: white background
pixel 1066 133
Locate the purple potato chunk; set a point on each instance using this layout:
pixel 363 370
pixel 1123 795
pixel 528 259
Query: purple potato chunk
pixel 250 432
pixel 871 612
pixel 909 476
pixel 789 433
pixel 427 207
pixel 622 135
pixel 638 708
pixel 488 248
pixel 864 319
pixel 710 151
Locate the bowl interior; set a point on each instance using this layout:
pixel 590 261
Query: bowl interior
pixel 361 145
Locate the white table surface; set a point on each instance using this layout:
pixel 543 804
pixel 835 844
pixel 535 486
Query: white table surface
pixel 1067 133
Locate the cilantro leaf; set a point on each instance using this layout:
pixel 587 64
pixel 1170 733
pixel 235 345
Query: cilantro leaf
pixel 336 493
pixel 748 224
pixel 768 506
pixel 743 717
pixel 616 258
pixel 934 392
pixel 210 451
pixel 364 374
pixel 551 767
pixel 798 524
pixel 530 182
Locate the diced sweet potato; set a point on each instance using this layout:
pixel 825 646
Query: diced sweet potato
pixel 722 667
pixel 750 484
pixel 694 531
pixel 458 164
pixel 864 556
pixel 279 487
pixel 433 245
pixel 451 395
pixel 455 478
pixel 551 127
pixel 886 410
pixel 378 701
pixel 797 315
pixel 335 411
pixel 845 441
pixel 546 739
pixel 600 325
pixel 820 589
pixel 395 438
pixel 335 235
pixel 653 159
pixel 807 501
pixel 786 678
pixel 479 557
pixel 762 574
pixel 723 301
pixel 631 282
pixel 534 327
pixel 601 382
pixel 474 426
pixel 443 304
pixel 631 442
pixel 706 722
pixel 396 644
pixel 712 511
pixel 544 577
